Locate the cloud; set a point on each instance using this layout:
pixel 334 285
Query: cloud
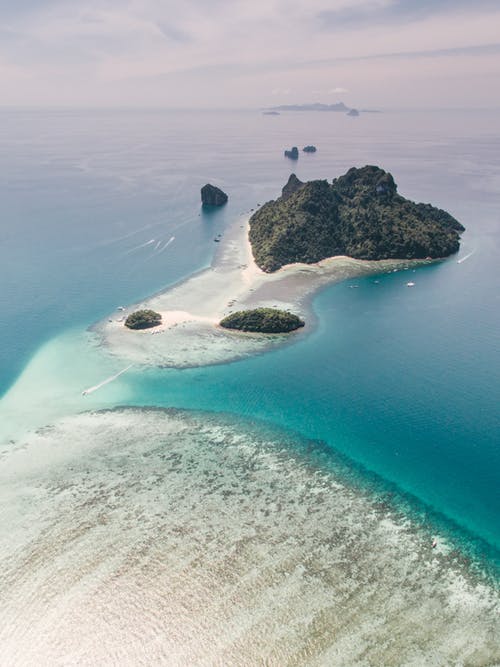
pixel 330 91
pixel 103 50
pixel 390 12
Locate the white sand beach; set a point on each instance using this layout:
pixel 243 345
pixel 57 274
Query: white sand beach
pixel 189 334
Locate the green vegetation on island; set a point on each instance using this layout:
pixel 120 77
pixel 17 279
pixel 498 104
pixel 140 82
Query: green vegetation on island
pixel 263 320
pixel 360 214
pixel 143 319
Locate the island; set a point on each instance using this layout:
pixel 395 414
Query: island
pixel 359 214
pixel 353 112
pixel 213 196
pixel 263 320
pixel 315 234
pixel 271 113
pixel 293 154
pixel 309 149
pixel 143 319
pixel 316 106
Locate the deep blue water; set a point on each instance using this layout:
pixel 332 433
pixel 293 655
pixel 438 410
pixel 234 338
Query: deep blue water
pixel 403 380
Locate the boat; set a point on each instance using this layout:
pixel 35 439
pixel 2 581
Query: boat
pixel 410 284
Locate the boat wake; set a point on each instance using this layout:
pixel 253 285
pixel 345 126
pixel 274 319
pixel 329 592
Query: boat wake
pixel 462 259
pixel 91 390
pixel 170 240
pixel 142 245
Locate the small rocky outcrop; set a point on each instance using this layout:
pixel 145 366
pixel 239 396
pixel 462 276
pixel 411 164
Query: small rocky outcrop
pixel 293 154
pixel 212 196
pixel 291 186
pixel 309 149
pixel 143 319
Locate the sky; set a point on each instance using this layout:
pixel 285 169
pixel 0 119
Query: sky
pixel 244 53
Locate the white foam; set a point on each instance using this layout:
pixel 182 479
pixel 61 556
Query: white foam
pixel 465 257
pixel 141 245
pixel 170 240
pixel 91 390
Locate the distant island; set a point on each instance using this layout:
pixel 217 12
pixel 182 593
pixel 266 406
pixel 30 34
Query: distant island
pixel 263 320
pixel 353 112
pixel 293 154
pixel 143 319
pixel 309 149
pixel 360 214
pixel 315 106
pixel 212 196
pixel 271 113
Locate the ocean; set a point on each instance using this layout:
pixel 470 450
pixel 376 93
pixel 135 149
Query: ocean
pixel 401 384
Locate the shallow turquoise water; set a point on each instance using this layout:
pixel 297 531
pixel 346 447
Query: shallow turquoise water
pixel 403 380
pixel 379 382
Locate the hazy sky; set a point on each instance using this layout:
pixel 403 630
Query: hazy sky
pixel 241 53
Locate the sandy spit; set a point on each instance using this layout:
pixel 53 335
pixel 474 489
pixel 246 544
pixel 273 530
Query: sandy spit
pixel 191 310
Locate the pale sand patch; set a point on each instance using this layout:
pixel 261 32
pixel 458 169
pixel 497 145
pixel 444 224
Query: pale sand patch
pixel 192 309
pixel 171 318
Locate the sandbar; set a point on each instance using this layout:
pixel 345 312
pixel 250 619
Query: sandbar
pixel 189 334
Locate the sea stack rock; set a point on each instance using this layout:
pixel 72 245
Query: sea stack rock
pixel 309 149
pixel 293 154
pixel 291 186
pixel 212 196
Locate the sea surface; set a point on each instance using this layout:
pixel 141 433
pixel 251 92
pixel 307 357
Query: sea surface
pixel 101 209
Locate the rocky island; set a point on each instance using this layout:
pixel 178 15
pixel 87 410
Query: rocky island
pixel 212 196
pixel 293 154
pixel 309 149
pixel 359 214
pixel 263 320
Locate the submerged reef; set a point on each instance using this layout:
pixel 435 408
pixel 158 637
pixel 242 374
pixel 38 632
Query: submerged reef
pixel 263 320
pixel 359 214
pixel 145 534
